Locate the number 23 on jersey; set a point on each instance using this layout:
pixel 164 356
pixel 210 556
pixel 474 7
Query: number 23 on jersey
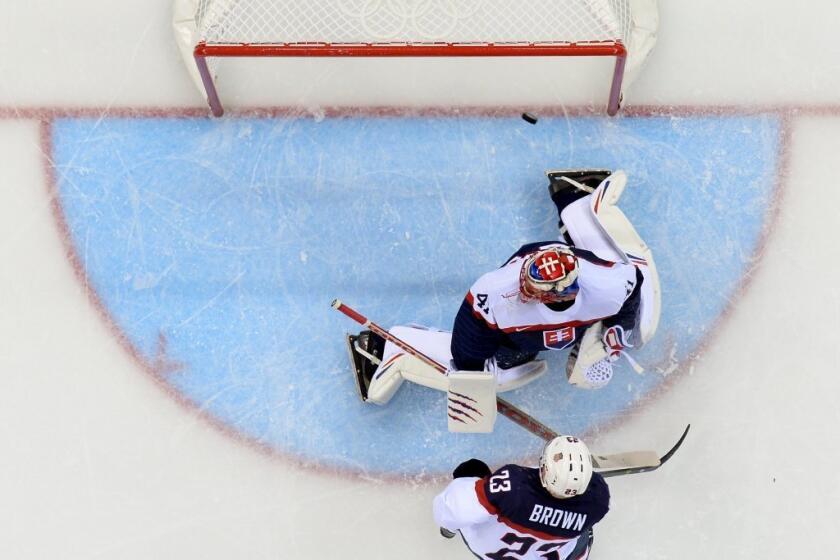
pixel 500 482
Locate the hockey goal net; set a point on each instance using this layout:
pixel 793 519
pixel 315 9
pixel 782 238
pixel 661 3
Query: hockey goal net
pixel 207 29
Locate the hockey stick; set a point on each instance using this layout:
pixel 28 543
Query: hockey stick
pixel 505 408
pixel 617 464
pixel 634 462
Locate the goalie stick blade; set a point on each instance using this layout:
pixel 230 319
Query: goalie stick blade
pixel 575 173
pixel 643 468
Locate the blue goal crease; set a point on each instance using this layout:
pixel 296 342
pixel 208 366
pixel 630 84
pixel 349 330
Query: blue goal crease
pixel 229 238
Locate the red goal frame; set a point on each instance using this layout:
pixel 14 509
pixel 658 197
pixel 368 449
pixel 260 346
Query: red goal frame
pixel 203 51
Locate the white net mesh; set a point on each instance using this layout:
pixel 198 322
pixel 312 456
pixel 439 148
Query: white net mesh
pixel 412 21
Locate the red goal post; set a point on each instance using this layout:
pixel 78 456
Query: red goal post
pixel 209 29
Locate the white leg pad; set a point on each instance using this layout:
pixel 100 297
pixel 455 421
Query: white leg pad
pixel 595 223
pixel 583 218
pixel 471 403
pixel 384 383
pixel 418 371
pixel 433 343
pixel 516 377
pixel 397 366
pixel 391 373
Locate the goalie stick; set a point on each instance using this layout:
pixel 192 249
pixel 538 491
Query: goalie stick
pixel 608 465
pixel 507 409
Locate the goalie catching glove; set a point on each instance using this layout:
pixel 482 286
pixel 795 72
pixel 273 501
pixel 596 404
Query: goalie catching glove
pixel 590 362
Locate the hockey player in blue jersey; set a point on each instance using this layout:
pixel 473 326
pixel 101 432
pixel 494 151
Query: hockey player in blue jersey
pixel 526 513
pixel 587 292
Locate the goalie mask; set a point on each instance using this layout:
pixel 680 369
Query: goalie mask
pixel 549 275
pixel 565 467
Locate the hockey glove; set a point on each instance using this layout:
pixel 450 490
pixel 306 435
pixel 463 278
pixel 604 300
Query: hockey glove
pixel 598 374
pixel 472 467
pixel 615 341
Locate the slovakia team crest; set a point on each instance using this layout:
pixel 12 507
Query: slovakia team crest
pixel 213 249
pixel 559 339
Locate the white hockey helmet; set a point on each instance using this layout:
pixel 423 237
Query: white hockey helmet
pixel 565 467
pixel 549 275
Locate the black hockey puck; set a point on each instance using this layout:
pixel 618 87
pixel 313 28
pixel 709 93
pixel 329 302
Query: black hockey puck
pixel 529 118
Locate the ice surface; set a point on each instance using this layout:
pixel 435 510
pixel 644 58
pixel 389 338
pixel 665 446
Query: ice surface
pixel 196 240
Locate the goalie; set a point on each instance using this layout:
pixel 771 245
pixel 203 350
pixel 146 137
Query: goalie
pixel 596 292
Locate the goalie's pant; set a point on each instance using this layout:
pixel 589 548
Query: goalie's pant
pixel 397 365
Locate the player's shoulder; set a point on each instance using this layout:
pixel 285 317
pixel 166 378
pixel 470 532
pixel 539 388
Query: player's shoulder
pixel 515 472
pixel 519 469
pixel 496 285
pixel 599 488
pixel 596 499
pixel 517 475
pixel 511 483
